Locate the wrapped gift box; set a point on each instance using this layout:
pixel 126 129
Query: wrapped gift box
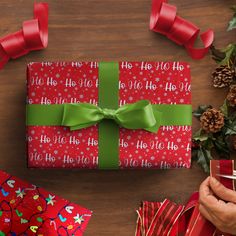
pixel 78 82
pixel 26 209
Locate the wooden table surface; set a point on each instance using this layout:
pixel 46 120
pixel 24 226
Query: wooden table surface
pixel 105 30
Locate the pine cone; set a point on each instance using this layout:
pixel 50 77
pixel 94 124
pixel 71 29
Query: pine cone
pixel 231 97
pixel 223 76
pixel 212 120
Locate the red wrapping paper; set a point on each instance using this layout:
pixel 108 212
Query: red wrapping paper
pixel 26 209
pixel 170 219
pixel 74 82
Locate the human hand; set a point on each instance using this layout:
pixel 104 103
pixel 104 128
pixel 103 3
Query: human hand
pixel 218 205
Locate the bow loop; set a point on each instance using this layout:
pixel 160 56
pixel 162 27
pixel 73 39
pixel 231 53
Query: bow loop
pixel 82 115
pixel 139 115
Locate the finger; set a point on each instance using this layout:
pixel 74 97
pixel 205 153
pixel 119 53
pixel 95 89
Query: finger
pixel 205 186
pixel 220 210
pixel 205 192
pixel 205 213
pixel 218 222
pixel 221 191
pixel 208 200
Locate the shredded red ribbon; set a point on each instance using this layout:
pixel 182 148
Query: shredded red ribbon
pixel 164 20
pixel 170 219
pixel 32 36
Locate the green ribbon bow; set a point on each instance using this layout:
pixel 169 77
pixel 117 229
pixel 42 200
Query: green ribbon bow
pixel 139 115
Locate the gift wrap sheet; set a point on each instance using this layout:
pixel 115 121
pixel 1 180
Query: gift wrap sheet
pixel 77 82
pixel 26 209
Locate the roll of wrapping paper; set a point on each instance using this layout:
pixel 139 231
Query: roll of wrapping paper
pixel 170 219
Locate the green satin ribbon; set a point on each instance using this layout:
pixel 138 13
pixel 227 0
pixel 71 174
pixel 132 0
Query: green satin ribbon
pixel 108 131
pixel 139 115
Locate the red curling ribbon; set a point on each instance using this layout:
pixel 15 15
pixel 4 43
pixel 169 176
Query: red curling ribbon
pixel 170 219
pixel 32 36
pixel 164 20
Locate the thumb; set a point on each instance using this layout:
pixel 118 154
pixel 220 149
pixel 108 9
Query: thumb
pixel 221 191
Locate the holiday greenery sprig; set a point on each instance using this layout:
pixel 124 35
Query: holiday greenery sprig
pixel 218 126
pixel 232 23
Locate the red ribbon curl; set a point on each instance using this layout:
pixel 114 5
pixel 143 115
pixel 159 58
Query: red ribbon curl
pixel 164 20
pixel 32 36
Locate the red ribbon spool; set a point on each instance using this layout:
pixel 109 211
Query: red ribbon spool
pixel 32 36
pixel 170 219
pixel 164 20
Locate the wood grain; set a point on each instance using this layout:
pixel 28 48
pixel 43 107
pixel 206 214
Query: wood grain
pixel 105 30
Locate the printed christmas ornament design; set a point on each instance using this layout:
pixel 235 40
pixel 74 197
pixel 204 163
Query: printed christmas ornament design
pixel 77 82
pixel 26 209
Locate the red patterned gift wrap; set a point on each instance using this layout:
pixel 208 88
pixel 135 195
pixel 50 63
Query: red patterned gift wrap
pixel 26 209
pixel 77 82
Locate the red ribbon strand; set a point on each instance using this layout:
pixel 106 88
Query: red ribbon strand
pixel 170 219
pixel 164 20
pixel 32 36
